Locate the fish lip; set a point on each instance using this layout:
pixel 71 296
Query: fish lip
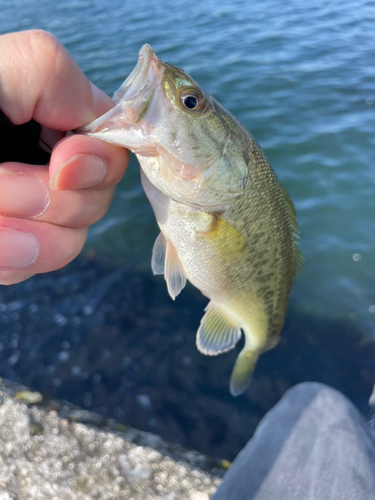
pixel 142 81
pixel 144 77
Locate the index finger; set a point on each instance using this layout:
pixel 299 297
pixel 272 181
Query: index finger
pixel 39 79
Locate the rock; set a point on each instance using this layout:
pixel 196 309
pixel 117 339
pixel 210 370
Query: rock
pixel 52 450
pixel 314 444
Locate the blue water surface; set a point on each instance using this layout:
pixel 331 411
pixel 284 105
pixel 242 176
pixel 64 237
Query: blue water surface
pixel 299 75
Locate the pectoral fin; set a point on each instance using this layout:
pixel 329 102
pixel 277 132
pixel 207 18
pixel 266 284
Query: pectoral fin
pixel 216 333
pixel 158 255
pixel 173 271
pixel 242 371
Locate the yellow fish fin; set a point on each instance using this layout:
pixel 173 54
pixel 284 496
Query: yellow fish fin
pixel 158 255
pixel 216 333
pixel 242 371
pixel 173 271
pixel 299 260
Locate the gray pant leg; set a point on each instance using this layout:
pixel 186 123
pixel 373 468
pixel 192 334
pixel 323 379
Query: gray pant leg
pixel 313 445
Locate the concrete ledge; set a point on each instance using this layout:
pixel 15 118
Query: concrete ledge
pixel 53 450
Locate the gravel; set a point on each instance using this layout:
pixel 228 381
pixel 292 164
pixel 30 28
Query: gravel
pixel 53 450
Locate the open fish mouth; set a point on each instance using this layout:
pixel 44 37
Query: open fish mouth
pixel 146 120
pixel 133 100
pixel 143 77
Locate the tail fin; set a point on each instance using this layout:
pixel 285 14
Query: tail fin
pixel 242 371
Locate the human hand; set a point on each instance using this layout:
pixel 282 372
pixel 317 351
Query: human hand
pixel 44 215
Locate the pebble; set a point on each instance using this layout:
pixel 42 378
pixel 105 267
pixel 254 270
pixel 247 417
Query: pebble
pixel 70 460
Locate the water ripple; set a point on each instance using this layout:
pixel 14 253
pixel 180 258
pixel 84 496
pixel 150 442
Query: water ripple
pixel 300 76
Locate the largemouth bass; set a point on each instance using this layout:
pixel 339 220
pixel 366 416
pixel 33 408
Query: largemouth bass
pixel 227 224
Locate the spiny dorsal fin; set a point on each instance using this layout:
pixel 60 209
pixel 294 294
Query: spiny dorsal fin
pixel 298 258
pixel 158 255
pixel 173 271
pixel 216 333
pixel 299 261
pixel 291 210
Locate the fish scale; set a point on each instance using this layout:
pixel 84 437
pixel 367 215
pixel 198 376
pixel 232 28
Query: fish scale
pixel 271 237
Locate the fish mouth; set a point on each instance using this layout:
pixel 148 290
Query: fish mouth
pixel 133 100
pixel 146 74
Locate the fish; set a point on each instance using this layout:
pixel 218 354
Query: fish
pixel 226 222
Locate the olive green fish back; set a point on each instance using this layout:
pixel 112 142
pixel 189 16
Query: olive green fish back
pixel 266 217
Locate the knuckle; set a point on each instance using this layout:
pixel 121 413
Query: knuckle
pixel 27 60
pixel 47 52
pixel 95 203
pixel 45 42
pixel 68 244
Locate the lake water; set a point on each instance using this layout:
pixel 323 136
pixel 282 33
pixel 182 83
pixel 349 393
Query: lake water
pixel 301 77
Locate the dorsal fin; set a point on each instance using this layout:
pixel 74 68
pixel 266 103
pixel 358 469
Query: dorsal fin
pixel 291 209
pixel 173 271
pixel 216 333
pixel 299 260
pixel 299 263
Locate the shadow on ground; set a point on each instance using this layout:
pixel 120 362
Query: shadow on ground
pixel 113 341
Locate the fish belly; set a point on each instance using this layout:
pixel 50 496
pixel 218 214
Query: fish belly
pixel 213 256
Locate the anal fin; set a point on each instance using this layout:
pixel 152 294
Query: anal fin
pixel 216 333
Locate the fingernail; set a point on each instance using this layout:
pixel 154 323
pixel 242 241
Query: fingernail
pixel 17 249
pixel 22 195
pixel 79 172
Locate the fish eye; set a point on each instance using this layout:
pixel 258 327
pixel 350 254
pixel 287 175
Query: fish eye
pixel 192 100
